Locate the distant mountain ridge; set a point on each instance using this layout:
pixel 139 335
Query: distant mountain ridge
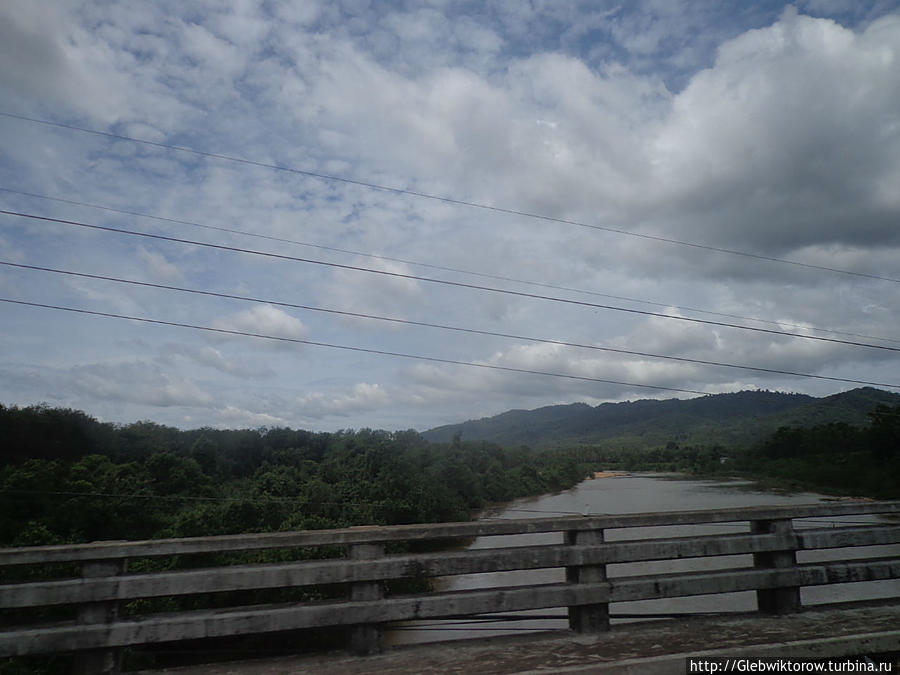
pixel 727 419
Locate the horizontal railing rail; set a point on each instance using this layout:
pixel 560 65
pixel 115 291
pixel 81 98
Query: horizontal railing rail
pixel 232 543
pixel 313 573
pixel 105 584
pixel 199 624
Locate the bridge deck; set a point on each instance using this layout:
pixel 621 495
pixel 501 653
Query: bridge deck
pixel 659 647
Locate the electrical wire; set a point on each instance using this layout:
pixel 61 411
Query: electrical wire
pixel 266 499
pixel 459 329
pixel 456 284
pixel 261 499
pixel 365 350
pixel 442 268
pixel 301 503
pixel 440 198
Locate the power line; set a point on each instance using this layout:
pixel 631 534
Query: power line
pixel 457 284
pixel 443 268
pixel 299 501
pixel 365 350
pixel 409 322
pixel 444 199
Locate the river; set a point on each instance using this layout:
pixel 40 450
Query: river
pixel 642 493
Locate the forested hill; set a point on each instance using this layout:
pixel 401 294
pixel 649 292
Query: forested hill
pixel 727 419
pixel 66 477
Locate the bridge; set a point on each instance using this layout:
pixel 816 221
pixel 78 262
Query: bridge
pixel 93 601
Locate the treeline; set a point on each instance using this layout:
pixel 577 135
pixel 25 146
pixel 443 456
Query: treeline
pixel 835 457
pixel 66 478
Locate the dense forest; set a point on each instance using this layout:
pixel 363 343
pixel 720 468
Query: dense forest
pixel 737 419
pixel 65 478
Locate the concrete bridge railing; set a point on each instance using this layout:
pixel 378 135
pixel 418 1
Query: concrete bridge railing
pixel 110 577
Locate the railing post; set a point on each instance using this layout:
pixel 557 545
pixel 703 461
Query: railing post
pixel 366 638
pixel 784 600
pixel 100 661
pixel 587 618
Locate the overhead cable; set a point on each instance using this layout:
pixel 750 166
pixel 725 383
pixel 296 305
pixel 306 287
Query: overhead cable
pixel 442 268
pixel 365 350
pixel 444 199
pixel 460 329
pixel 263 498
pixel 266 498
pixel 456 284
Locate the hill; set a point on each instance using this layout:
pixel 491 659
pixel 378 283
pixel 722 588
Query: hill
pixel 726 419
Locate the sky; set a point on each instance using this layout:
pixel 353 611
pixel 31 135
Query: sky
pixel 646 167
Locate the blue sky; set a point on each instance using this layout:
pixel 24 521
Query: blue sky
pixel 766 128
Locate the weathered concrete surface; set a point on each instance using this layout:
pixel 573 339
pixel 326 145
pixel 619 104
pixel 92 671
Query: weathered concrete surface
pixel 658 647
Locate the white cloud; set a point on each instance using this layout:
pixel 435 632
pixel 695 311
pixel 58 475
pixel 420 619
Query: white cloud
pixel 264 320
pixel 85 56
pixel 369 293
pixel 787 140
pixel 158 267
pixel 213 358
pixel 136 381
pixel 360 398
pixel 106 297
pixel 233 417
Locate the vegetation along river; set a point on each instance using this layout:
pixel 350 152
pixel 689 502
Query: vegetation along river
pixel 643 493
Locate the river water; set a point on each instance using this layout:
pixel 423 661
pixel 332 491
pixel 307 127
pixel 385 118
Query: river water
pixel 643 493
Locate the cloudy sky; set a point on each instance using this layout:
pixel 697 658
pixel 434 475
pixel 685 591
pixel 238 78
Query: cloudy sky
pixel 599 133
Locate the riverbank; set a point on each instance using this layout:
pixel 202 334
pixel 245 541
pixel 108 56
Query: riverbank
pixel 609 474
pixel 788 485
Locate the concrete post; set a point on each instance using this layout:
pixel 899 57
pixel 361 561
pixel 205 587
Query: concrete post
pixel 100 661
pixel 776 600
pixel 587 618
pixel 366 638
